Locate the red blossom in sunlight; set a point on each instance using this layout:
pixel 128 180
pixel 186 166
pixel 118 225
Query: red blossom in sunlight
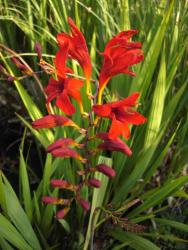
pixel 51 121
pixel 122 114
pixel 77 47
pixel 113 145
pixel 119 55
pixel 64 87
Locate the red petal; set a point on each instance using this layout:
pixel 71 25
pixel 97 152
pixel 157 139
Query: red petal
pixel 126 130
pixel 129 101
pixel 60 60
pixel 73 88
pixel 134 118
pixel 115 129
pixel 102 110
pixel 64 103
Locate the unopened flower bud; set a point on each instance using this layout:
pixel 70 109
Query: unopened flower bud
pixel 110 172
pixel 49 200
pixel 38 49
pixel 62 213
pixel 20 65
pixel 85 204
pixel 56 183
pixel 94 182
pixel 11 78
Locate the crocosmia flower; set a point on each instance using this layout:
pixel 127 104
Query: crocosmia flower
pixel 122 114
pixel 64 87
pixel 119 55
pixel 77 49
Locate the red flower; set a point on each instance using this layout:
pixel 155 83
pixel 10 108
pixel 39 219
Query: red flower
pixel 121 114
pixel 113 145
pixel 51 121
pixel 64 87
pixel 119 55
pixel 77 48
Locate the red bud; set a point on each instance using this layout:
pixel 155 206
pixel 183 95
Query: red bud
pixel 110 172
pixel 49 200
pixel 38 50
pixel 85 204
pixel 62 213
pixel 94 182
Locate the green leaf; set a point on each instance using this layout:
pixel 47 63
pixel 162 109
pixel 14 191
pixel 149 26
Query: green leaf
pixel 17 215
pixel 24 179
pixel 178 225
pixel 5 245
pixel 10 233
pixel 162 193
pixel 134 241
pixel 65 225
pixel 157 106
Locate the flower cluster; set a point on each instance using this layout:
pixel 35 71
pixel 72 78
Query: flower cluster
pixel 119 54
